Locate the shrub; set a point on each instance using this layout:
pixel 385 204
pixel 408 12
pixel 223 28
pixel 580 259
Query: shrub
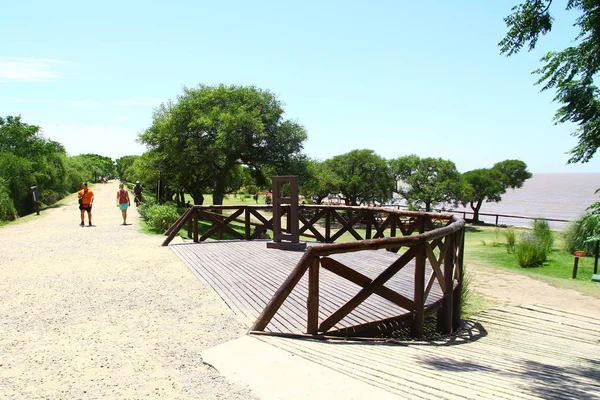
pixel 145 206
pixel 511 240
pixel 578 232
pixel 542 232
pixel 49 197
pixel 160 217
pixel 8 212
pixel 530 252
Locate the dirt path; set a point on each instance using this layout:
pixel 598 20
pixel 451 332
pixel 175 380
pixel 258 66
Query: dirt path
pixel 496 288
pixel 104 312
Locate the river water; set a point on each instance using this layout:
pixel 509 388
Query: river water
pixel 554 196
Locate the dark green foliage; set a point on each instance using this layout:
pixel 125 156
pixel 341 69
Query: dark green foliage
pixel 7 207
pixel 428 181
pixel 488 185
pixel 570 71
pixel 361 176
pixel 160 217
pixel 579 233
pixel 200 141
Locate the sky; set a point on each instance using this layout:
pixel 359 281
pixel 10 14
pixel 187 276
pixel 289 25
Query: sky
pixel 398 77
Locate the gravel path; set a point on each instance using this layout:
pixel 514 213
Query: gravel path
pixel 104 312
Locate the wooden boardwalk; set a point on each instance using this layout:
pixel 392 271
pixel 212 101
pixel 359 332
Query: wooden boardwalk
pixel 246 275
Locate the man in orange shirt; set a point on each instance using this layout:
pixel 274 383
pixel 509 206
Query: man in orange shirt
pixel 86 198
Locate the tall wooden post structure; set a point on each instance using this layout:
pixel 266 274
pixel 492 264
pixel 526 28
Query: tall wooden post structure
pixel 289 240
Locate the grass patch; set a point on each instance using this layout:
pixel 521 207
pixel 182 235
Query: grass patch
pixel 556 270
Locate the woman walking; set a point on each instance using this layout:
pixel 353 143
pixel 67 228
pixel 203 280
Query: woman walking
pixel 123 202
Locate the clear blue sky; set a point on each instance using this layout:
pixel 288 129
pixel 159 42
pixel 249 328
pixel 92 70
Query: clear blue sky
pixel 398 77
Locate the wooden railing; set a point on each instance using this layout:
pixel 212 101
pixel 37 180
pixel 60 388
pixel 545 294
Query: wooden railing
pixel 434 239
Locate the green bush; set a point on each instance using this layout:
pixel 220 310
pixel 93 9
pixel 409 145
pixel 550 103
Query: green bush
pixel 530 252
pixel 543 233
pixel 511 240
pixel 578 232
pixel 8 212
pixel 145 206
pixel 160 217
pixel 49 197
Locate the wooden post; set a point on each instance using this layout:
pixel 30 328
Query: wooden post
pixel 496 220
pixel 457 301
pixel 195 218
pixel 445 312
pixel 370 216
pixel 190 227
pixel 291 239
pixel 247 222
pixel 328 225
pixel 575 265
pixel 416 329
pixel 313 297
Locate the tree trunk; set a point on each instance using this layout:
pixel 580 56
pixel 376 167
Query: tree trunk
pixel 475 209
pixel 427 206
pixel 198 197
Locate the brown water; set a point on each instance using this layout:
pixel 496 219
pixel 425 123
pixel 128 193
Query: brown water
pixel 554 196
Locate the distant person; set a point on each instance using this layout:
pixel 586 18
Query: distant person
pixel 269 197
pixel 86 199
pixel 123 202
pixel 137 191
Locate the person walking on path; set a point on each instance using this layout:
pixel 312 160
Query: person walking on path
pixel 123 202
pixel 137 191
pixel 86 199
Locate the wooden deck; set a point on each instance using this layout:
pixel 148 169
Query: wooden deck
pixel 246 275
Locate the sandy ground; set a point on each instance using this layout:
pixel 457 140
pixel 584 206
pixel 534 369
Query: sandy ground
pixel 495 288
pixel 104 312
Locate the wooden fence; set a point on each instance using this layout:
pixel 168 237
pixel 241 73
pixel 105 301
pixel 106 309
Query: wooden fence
pixel 431 241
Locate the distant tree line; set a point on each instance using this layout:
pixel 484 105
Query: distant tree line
pixel 29 159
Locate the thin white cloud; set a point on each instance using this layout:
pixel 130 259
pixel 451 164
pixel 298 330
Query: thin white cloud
pixel 29 69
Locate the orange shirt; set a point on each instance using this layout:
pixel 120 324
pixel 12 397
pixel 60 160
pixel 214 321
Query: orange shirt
pixel 86 196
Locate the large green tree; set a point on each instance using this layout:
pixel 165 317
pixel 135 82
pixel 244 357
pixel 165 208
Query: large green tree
pixel 489 184
pixel 428 181
pixel 570 71
pixel 320 182
pixel 202 138
pixel 27 159
pixel 362 177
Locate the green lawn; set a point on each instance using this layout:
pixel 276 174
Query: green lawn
pixel 487 246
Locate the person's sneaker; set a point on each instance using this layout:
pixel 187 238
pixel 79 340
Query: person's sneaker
pixel 81 224
pixel 90 224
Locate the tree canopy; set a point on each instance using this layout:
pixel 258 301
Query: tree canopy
pixel 361 176
pixel 29 159
pixel 428 181
pixel 570 71
pixel 199 140
pixel 489 184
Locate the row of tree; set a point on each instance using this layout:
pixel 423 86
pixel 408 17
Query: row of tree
pixel 28 159
pixel 216 139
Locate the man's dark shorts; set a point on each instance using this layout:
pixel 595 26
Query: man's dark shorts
pixel 87 208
